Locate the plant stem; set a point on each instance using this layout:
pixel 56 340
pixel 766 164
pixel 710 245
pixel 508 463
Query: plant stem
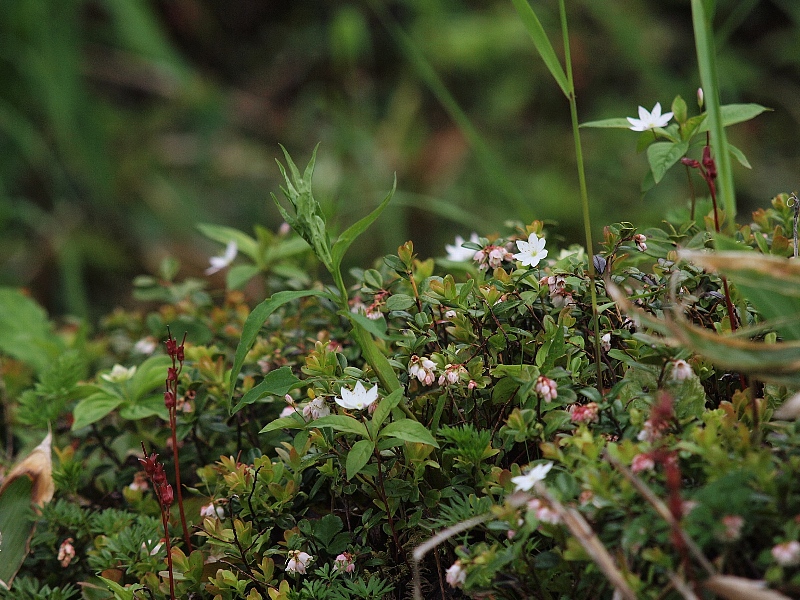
pixel 587 222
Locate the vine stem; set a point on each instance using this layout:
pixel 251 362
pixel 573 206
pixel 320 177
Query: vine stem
pixel 587 222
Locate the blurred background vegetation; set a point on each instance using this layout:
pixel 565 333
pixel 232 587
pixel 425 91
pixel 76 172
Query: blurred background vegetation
pixel 124 123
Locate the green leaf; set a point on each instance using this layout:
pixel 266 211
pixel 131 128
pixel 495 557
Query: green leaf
pixel 376 327
pixel 92 409
pixel 409 431
pixel 293 421
pixel 542 43
pixel 356 229
pixel 253 325
pixel 239 275
pixel 150 375
pixel 662 155
pixel 25 332
pixel 385 407
pixel 615 123
pixel 735 113
pixel 400 302
pixel 341 423
pixel 17 523
pixel 152 406
pixel 358 457
pixel 219 233
pixel 739 156
pixel 276 383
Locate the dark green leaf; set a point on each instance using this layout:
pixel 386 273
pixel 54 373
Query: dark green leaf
pixel 409 431
pixel 358 457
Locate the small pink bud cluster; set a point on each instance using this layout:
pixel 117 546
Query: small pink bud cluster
pixel 605 342
pixel 681 371
pixel 316 409
pixel 640 239
pixel 344 562
pixel 543 511
pixel 787 554
pixel 557 288
pixel 66 552
pixel 423 369
pixel 732 525
pixel 546 388
pixel 155 472
pixel 584 413
pixel 452 374
pixel 643 462
pixel 491 257
pixel 456 575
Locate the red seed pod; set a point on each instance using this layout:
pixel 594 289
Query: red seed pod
pixel 172 346
pixel 169 399
pixel 708 163
pixel 167 495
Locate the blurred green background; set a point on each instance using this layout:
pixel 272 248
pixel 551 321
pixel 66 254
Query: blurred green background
pixel 124 123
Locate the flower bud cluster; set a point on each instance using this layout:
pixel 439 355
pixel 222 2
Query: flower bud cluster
pixel 557 287
pixel 492 257
pixel 546 388
pixel 155 472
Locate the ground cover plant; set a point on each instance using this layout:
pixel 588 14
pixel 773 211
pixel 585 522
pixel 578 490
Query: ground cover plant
pixel 514 419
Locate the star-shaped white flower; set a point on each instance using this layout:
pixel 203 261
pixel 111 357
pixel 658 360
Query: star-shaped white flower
pixel 220 262
pixel 524 483
pixel 358 399
pixel 119 374
pixel 458 254
pixel 649 120
pixel 532 251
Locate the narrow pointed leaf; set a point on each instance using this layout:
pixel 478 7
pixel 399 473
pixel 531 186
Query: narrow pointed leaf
pixel 275 383
pixel 253 325
pixel 356 229
pixel 542 43
pixel 385 407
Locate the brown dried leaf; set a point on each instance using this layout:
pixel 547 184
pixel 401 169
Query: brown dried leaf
pixel 38 465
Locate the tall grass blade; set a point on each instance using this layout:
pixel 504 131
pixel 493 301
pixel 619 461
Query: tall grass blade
pixel 706 60
pixel 543 45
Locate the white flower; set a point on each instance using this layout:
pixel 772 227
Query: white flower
pixel 119 374
pixel 298 561
pixel 525 483
pixel 220 262
pixel 681 370
pixel 532 251
pixel 649 120
pixel 316 409
pixel 787 554
pixel 146 345
pixel 359 398
pixel 605 342
pixel 456 253
pixel 212 510
pixel 456 575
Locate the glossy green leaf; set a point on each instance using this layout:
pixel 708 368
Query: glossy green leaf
pixel 92 409
pixel 276 383
pixel 293 421
pixel 253 325
pixel 239 275
pixel 409 431
pixel 25 331
pixel 358 457
pixel 341 423
pixel 663 155
pixel 732 114
pixel 385 407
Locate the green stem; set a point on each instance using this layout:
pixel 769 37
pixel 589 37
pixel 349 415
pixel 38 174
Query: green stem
pixel 587 223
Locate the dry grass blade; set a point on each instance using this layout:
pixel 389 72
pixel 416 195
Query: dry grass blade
pixel 578 527
pixel 789 410
pixel 739 588
pixel 682 587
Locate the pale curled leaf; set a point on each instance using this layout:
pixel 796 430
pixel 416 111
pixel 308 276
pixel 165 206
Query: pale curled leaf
pixel 739 588
pixel 38 466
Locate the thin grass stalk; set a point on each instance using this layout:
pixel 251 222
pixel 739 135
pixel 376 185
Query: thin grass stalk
pixel 706 61
pixel 587 221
